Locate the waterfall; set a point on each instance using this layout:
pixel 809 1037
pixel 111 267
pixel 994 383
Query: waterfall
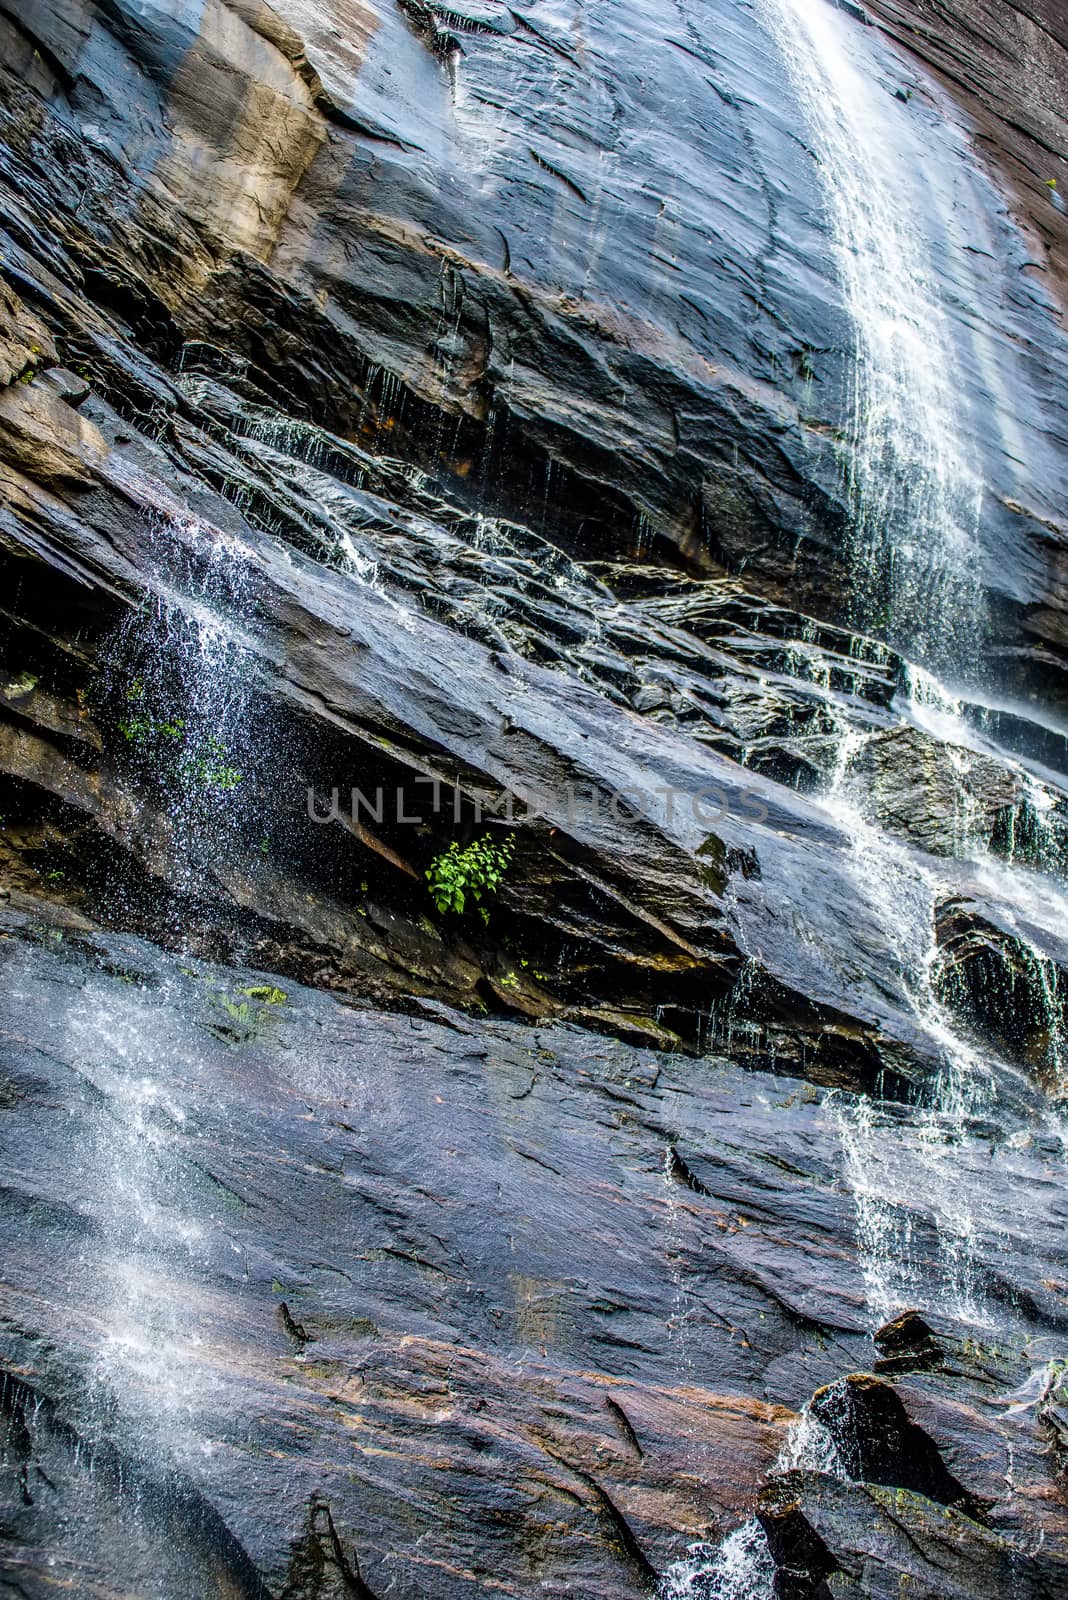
pixel 914 498
pixel 178 691
pixel 915 502
pixel 177 696
pixel 741 1568
pixel 153 1372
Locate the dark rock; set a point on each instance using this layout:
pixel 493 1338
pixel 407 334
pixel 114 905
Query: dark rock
pixel 908 1344
pixel 943 800
pixel 1005 980
pixel 446 400
pixel 409 1187
pixel 803 1562
pixel 886 1540
pixel 879 1443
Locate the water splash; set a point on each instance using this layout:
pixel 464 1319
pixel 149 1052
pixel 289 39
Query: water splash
pixel 809 1447
pixel 741 1568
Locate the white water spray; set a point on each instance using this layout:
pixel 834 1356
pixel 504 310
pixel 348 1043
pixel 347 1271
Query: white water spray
pixel 915 498
pixel 742 1566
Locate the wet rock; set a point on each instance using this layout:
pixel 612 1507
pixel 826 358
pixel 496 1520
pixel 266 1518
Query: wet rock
pixel 1006 983
pixel 25 343
pixel 879 1443
pixel 802 1560
pixel 941 799
pixel 711 417
pixel 1017 97
pixel 320 1568
pixel 330 679
pixel 346 455
pixel 112 1521
pixel 408 1187
pixel 883 1540
pixel 908 1344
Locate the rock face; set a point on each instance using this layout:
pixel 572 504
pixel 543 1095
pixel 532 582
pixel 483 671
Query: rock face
pixel 1006 63
pixel 422 425
pixel 462 1306
pixel 640 331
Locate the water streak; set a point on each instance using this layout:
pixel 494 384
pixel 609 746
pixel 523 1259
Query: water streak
pixel 914 496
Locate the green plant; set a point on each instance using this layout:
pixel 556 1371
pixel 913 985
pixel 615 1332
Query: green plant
pixel 140 728
pixel 245 1015
pixel 209 768
pixel 458 876
pixel 24 684
pixel 205 762
pixel 267 993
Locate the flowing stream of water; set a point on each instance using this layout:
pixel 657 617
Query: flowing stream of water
pixel 916 504
pixel 181 689
pixel 915 498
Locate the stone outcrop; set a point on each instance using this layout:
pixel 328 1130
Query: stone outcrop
pixel 939 798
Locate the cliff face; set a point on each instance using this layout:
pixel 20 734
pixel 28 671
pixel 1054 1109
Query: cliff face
pixel 451 403
pixel 1006 64
pixel 594 241
pixel 467 1306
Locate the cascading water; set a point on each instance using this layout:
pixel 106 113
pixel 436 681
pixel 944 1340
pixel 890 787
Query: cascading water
pixel 153 1367
pixel 178 694
pixel 178 699
pixel 914 499
pixel 915 506
pixel 742 1566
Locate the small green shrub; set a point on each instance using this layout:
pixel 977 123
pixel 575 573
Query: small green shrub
pixel 457 877
pixel 267 993
pixel 208 767
pixel 203 762
pixel 141 729
pixel 245 1016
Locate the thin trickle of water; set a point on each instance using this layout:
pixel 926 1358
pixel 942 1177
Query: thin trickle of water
pixel 915 499
pixel 677 1326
